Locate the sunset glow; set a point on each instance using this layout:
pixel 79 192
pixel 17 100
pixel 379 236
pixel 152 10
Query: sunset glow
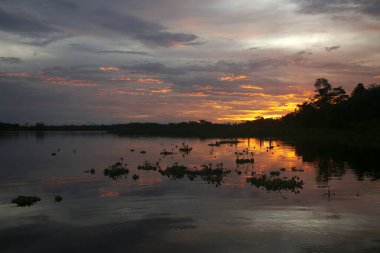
pixel 222 61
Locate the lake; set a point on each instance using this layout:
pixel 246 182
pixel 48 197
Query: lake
pixel 335 209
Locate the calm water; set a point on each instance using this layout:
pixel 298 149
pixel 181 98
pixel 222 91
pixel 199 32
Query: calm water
pixel 156 214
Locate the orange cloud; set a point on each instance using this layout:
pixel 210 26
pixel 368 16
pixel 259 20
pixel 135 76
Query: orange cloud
pixel 162 91
pixel 121 78
pixel 149 80
pixel 14 74
pixel 109 69
pixel 63 81
pixel 232 77
pixel 250 87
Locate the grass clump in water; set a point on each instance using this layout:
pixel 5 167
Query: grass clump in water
pixel 58 198
pixel 164 152
pixel 117 170
pixel 206 173
pixel 276 184
pixel 244 157
pixel 26 200
pixel 149 166
pixel 224 141
pixel 209 174
pixel 274 173
pixel 185 148
pixel 175 171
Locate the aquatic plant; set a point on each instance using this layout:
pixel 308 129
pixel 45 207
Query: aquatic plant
pixel 164 152
pixel 149 166
pixel 206 173
pixel 53 154
pixel 247 157
pixel 274 173
pixel 135 177
pixel 185 148
pixel 91 171
pixel 276 184
pixel 58 198
pixel 224 141
pixel 116 170
pixel 26 200
pixel 294 169
pixel 175 171
pixel 143 152
pixel 209 174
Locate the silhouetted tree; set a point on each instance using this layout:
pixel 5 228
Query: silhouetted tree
pixel 358 91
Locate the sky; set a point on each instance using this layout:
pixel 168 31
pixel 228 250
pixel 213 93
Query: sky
pixel 119 61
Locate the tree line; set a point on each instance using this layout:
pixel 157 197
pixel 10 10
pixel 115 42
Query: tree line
pixel 330 108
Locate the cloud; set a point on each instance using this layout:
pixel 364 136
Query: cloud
pixel 368 7
pixel 94 50
pixel 10 60
pixel 148 33
pixel 124 52
pixel 98 21
pixel 34 31
pixel 329 49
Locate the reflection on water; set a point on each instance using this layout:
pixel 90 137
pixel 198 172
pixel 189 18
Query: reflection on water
pixel 119 193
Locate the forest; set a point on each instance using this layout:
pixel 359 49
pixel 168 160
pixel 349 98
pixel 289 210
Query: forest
pixel 331 112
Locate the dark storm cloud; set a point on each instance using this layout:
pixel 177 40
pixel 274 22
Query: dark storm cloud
pixel 73 17
pixel 10 60
pixel 149 33
pixel 369 7
pixel 34 31
pixel 22 23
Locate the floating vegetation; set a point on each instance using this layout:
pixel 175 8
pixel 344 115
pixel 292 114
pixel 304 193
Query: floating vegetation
pixel 117 170
pixel 58 198
pixel 224 141
pixel 164 152
pixel 294 169
pixel 185 148
pixel 26 200
pixel 132 150
pixel 283 169
pixel 143 152
pixel 149 166
pixel 91 171
pixel 207 173
pixel 244 157
pixel 135 177
pixel 175 171
pixel 275 173
pixel 276 184
pixel 53 154
pixel 242 161
pixel 210 175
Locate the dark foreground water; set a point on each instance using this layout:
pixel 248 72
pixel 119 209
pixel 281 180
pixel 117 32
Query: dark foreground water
pixel 338 209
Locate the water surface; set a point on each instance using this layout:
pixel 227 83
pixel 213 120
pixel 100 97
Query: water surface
pixel 336 211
